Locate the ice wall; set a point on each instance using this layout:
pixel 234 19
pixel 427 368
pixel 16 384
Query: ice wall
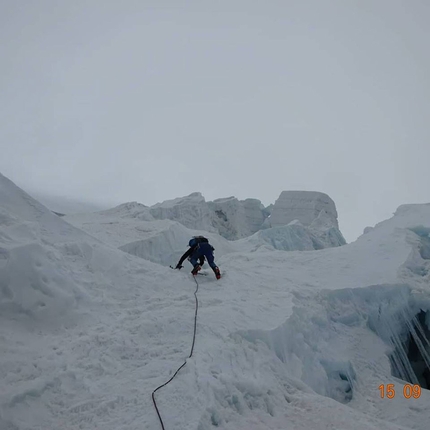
pixel 315 211
pixel 191 211
pixel 235 219
pixel 304 206
pixel 292 237
pixel 230 217
pixel 333 336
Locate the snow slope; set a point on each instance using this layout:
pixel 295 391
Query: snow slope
pixel 285 340
pixel 67 205
pixel 131 228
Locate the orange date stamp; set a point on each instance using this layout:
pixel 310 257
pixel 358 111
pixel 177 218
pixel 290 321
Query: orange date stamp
pixel 409 391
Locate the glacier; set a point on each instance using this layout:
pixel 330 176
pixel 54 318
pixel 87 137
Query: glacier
pixel 246 224
pixel 292 337
pixel 236 219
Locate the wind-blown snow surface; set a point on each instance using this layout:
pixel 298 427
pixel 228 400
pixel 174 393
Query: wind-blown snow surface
pixel 285 340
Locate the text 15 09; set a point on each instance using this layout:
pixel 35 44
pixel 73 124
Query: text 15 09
pixel 409 391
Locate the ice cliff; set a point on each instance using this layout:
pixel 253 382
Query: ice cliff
pixel 304 206
pixel 304 221
pixel 306 215
pixel 235 218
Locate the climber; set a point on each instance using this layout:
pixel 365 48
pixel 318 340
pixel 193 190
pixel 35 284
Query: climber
pixel 199 249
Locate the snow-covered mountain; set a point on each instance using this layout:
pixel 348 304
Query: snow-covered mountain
pixel 331 338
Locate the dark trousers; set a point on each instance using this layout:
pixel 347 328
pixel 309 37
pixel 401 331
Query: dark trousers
pixel 203 250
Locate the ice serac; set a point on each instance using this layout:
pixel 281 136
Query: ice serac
pixel 314 210
pixel 191 211
pixel 130 210
pixel 292 237
pixel 304 206
pixel 235 219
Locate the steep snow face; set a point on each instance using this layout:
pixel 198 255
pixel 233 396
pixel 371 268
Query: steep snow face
pixel 35 280
pixel 65 205
pixel 17 206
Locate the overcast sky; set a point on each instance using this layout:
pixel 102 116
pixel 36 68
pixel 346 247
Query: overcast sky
pixel 135 100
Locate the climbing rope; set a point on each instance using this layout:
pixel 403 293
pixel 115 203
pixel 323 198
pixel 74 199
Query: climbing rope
pixel 185 362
